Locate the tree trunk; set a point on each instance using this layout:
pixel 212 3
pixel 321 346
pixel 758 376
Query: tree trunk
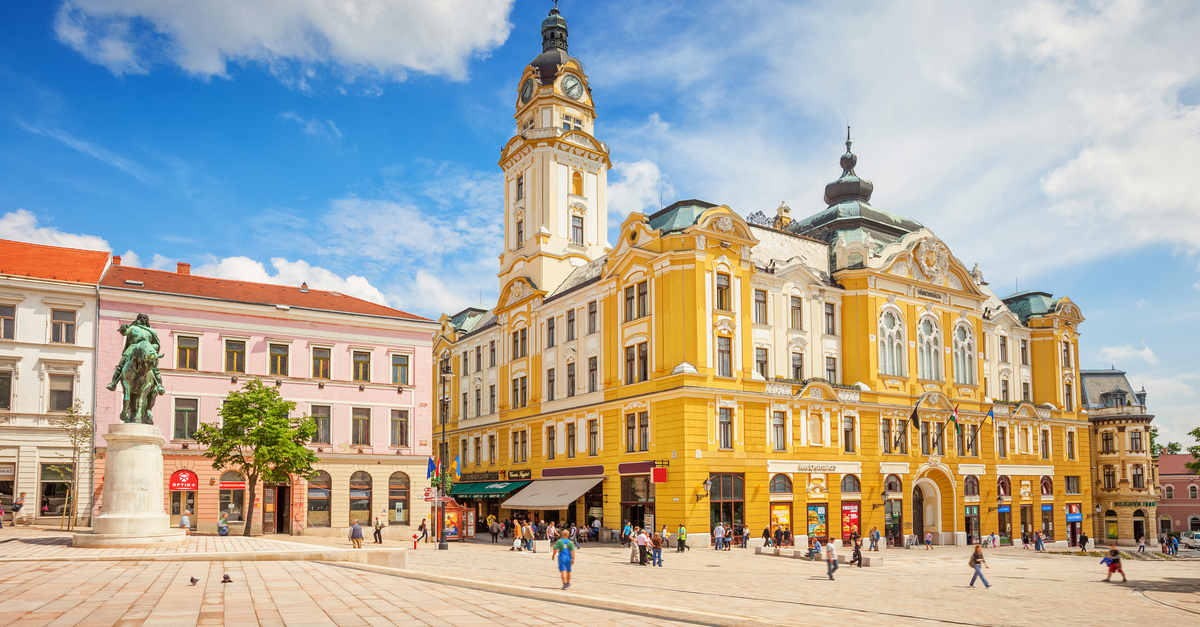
pixel 253 480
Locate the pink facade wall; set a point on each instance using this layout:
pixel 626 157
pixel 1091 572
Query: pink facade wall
pixel 1181 508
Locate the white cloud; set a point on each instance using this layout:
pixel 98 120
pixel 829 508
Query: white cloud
pixel 1172 399
pixel 92 150
pixel 318 128
pixel 290 273
pixel 22 226
pixel 638 187
pixel 293 38
pixel 1126 352
pixel 131 259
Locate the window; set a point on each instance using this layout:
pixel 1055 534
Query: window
pixel 760 306
pixel 831 369
pixel 1066 354
pixel 893 484
pixel 1110 478
pixel 524 445
pixel 964 355
pixel 464 405
pixel 902 437
pixel 233 496
pixel 550 384
pixel 848 434
pixel 1004 389
pixel 1047 486
pixel 570 325
pixel 629 300
pixel 1168 492
pixel 797 313
pixel 320 368
pixel 360 497
pixel 321 415
pixel 551 332
pixel 569 122
pixel 630 432
pixel 360 426
pixel 362 366
pixel 1070 445
pixel 520 233
pixel 780 484
pixel 520 187
pixel 6 390
pixel 492 354
pixel 187 353
pixel 971 486
pixel 1068 397
pixel 593 368
pixel 1003 486
pixel 630 364
pixel 643 431
pixel 725 427
pixel 643 299
pixel 1108 442
pixel 466 362
pixel 62 392
pixel 478 401
pixel 1003 349
pixel 1072 485
pixel 235 356
pixel 885 435
pixel 492 450
pixel 591 315
pixel 850 483
pixel 571 446
pixel 779 430
pixel 1024 352
pixel 830 321
pixel 593 437
pixel 1002 441
pixel 798 366
pixel 724 357
pixel 62 326
pixel 929 360
pixel 523 335
pixel 186 421
pixel 520 392
pixel 925 437
pixel 400 427
pixel 972 440
pixel 577 230
pixel 1044 444
pixel 8 321
pixel 551 446
pixel 891 345
pixel 478 358
pixel 1025 391
pixel 319 489
pixel 723 302
pixel 398 499
pixel 1139 477
pixel 492 398
pixel 1192 491
pixel 279 359
pixel 400 369
pixel 1135 441
pixel 760 362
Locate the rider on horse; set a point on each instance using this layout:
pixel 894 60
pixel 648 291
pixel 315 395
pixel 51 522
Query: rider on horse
pixel 138 331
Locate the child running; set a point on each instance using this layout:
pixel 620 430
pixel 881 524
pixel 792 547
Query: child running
pixel 564 550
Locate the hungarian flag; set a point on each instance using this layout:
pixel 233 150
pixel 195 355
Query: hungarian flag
pixel 954 419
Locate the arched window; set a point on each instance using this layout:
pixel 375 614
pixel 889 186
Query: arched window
pixel 320 489
pixel 398 499
pixel 233 496
pixel 892 484
pixel 1192 491
pixel 1004 486
pixel 1137 513
pixel 971 486
pixel 929 350
pixel 360 498
pixel 577 183
pixel 850 484
pixel 891 344
pixel 1110 514
pixel 1169 492
pixel 781 484
pixel 1194 523
pixel 1047 486
pixel 964 355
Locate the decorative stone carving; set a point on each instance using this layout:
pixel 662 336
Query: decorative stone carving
pixel 723 224
pixel 779 389
pixel 725 325
pixel 816 393
pixel 871 282
pixel 519 291
pixel 891 299
pixel 900 268
pixel 848 396
pixel 954 282
pixel 933 259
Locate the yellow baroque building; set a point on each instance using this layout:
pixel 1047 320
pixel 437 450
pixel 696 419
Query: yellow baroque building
pixel 707 368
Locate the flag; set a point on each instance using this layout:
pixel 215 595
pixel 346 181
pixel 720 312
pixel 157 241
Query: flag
pixel 457 466
pixel 902 434
pixel 954 419
pixel 975 437
pixel 916 422
pixel 989 415
pixel 432 469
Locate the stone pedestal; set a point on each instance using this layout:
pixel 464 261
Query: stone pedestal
pixel 131 510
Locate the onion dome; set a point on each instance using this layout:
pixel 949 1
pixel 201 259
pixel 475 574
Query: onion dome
pixel 554 47
pixel 848 186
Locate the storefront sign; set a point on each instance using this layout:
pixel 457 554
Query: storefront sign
pixel 573 471
pixel 634 468
pixel 1136 504
pixel 185 481
pixel 816 468
pixel 7 472
pixel 929 294
pixel 781 515
pixel 1047 508
pixel 817 521
pixel 658 475
pixel 1004 509
pixel 1074 517
pixel 513 475
pixel 233 485
pixel 479 476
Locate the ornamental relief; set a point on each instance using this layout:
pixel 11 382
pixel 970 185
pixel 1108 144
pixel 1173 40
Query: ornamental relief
pixel 900 268
pixel 933 259
pixel 519 291
pixel 723 224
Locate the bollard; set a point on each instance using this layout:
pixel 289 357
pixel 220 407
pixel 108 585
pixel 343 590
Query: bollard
pixel 415 536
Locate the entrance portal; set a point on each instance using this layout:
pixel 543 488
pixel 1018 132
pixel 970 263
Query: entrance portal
pixel 283 503
pixel 918 514
pixel 181 501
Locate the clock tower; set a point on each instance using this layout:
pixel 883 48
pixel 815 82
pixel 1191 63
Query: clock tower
pixel 555 170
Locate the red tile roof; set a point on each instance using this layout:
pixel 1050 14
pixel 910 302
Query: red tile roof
pixel 245 292
pixel 51 262
pixel 1174 464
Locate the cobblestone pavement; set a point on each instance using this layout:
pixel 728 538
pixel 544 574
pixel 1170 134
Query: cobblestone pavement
pixel 158 594
pixel 34 542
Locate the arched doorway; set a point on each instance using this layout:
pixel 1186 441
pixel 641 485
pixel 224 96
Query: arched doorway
pixel 918 513
pixel 1139 525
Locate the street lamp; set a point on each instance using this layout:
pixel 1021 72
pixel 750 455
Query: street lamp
pixel 882 501
pixel 444 409
pixel 707 489
pixel 999 503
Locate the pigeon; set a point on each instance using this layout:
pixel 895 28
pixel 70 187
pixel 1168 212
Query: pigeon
pixel 226 579
pixel 195 581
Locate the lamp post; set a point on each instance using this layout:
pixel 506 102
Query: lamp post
pixel 443 409
pixel 707 485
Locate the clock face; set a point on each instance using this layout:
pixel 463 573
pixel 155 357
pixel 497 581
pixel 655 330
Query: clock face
pixel 526 90
pixel 572 86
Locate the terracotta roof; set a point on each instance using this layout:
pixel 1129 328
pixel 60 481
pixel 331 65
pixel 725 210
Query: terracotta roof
pixel 162 282
pixel 1174 464
pixel 51 262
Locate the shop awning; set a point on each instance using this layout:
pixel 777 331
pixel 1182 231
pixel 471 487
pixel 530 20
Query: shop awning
pixel 551 494
pixel 487 489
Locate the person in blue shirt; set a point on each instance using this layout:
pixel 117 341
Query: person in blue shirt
pixel 627 533
pixel 564 552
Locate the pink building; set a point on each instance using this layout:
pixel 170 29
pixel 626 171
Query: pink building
pixel 361 370
pixel 1179 506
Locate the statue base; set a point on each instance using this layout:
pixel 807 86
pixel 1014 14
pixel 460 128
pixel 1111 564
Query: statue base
pixel 131 508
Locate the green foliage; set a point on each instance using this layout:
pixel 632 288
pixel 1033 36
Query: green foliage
pixel 1173 448
pixel 260 438
pixel 78 428
pixel 1194 465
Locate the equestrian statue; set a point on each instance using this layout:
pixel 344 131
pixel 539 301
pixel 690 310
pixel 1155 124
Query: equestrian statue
pixel 138 371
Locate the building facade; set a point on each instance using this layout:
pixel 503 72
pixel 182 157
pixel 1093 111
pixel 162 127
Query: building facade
pixel 708 369
pixel 1123 471
pixel 47 363
pixel 361 370
pixel 1179 503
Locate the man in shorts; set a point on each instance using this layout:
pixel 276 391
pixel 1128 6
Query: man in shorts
pixel 1114 563
pixel 564 551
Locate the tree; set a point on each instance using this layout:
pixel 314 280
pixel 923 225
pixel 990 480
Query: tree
pixel 1172 448
pixel 1156 449
pixel 1194 465
pixel 78 428
pixel 259 437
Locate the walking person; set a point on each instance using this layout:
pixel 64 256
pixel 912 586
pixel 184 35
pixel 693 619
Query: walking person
pixel 1114 563
pixel 379 527
pixel 778 537
pixel 356 536
pixel 857 556
pixel 656 547
pixel 424 529
pixel 1083 541
pixel 745 536
pixel 494 529
pixel 928 540
pixel 681 538
pixel 874 539
pixel 223 524
pixel 831 559
pixel 766 536
pixel 978 564
pixel 564 551
pixel 787 537
pixel 1142 544
pixel 19 509
pixel 185 522
pixel 728 537
pixel 643 547
pixel 627 533
pixel 719 535
pixel 633 549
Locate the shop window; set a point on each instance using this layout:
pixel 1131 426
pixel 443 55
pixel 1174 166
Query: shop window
pixel 187 351
pixel 727 501
pixel 781 484
pixel 400 427
pixel 235 356
pixel 360 498
pixel 186 418
pixel 321 415
pixel 279 360
pixel 398 485
pixel 62 326
pixel 56 482
pixel 971 485
pixel 62 392
pixel 320 365
pixel 232 498
pixel 320 488
pixel 400 369
pixel 850 483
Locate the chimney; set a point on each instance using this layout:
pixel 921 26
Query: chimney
pixel 304 287
pixel 183 268
pixel 116 260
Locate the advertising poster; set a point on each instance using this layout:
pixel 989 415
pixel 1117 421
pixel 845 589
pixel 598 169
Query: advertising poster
pixel 849 520
pixel 816 521
pixel 453 524
pixel 781 515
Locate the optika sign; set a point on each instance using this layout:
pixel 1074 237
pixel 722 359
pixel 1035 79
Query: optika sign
pixel 184 481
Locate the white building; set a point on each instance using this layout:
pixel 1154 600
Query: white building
pixel 47 362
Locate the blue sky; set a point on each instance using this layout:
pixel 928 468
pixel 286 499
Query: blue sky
pixel 355 146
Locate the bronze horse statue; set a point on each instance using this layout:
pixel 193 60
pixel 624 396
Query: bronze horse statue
pixel 137 372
